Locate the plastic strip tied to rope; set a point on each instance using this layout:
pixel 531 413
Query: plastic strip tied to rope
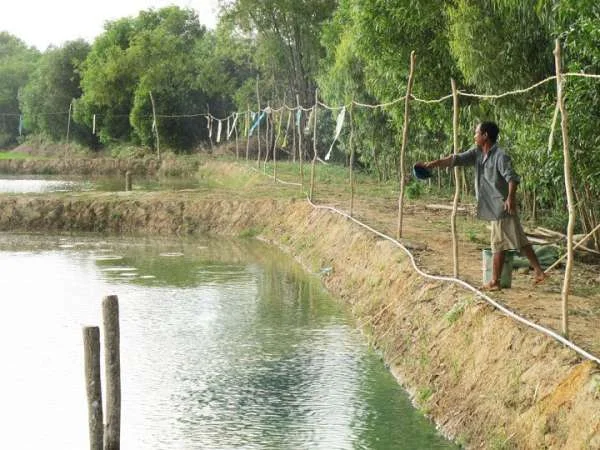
pixel 338 128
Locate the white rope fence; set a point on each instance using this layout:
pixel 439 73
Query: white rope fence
pixel 465 285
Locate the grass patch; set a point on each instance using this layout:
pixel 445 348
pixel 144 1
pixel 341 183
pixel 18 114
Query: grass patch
pixel 457 310
pixel 17 155
pixel 249 232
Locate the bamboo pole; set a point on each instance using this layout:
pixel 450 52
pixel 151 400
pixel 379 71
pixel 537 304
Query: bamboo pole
pixel 275 143
pixel 404 140
pixel 568 188
pixel 112 367
pixel 300 150
pixel 237 142
pixel 455 112
pixel 268 126
pixel 155 126
pixel 247 131
pixel 69 120
pixel 293 114
pixel 91 351
pixel 258 126
pixel 351 159
pixel 314 160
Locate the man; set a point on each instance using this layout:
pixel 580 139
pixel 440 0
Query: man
pixel 495 188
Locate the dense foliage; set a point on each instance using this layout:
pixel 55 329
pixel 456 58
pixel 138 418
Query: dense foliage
pixel 17 62
pixel 275 52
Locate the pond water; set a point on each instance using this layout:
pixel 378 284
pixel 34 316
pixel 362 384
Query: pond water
pixel 224 344
pixel 34 185
pixel 19 184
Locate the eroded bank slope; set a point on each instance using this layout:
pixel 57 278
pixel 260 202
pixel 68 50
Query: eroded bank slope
pixel 487 381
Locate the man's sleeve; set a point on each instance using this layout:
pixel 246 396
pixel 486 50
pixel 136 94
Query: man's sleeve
pixel 466 158
pixel 506 170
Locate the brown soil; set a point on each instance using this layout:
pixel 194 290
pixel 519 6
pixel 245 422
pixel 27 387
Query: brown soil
pixel 488 381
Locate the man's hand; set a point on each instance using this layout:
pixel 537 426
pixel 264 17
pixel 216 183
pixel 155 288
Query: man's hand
pixel 510 206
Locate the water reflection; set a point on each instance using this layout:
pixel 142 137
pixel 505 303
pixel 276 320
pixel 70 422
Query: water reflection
pixel 34 185
pixel 225 344
pixel 45 184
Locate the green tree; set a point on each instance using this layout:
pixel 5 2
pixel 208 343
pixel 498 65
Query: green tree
pixel 17 62
pixel 153 52
pixel 287 35
pixel 497 46
pixel 46 97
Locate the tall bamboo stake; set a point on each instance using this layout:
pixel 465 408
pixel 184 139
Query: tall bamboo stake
pixel 247 131
pixel 455 112
pixel 300 150
pixel 314 160
pixel 404 140
pixel 293 113
pixel 268 126
pixel 275 143
pixel 69 120
pixel 569 190
pixel 155 126
pixel 350 143
pixel 258 127
pixel 237 142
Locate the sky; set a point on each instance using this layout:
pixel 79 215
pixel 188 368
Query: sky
pixel 40 23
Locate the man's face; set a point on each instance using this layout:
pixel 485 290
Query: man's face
pixel 479 137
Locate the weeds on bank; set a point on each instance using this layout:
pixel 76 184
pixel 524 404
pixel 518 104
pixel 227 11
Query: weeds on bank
pixel 424 394
pixel 250 232
pixel 457 310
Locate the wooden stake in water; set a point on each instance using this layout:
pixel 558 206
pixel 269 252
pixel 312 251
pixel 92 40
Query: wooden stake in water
pixel 91 351
pixel 128 181
pixel 112 363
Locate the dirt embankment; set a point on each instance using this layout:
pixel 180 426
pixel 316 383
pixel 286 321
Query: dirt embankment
pixel 487 381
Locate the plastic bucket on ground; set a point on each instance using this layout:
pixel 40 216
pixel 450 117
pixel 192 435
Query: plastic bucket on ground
pixel 488 261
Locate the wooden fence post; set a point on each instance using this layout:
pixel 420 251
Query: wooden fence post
pixel 128 181
pixel 298 126
pixel 351 144
pixel 247 131
pixel 258 126
pixel 455 107
pixel 314 161
pixel 569 190
pixel 93 387
pixel 404 140
pixel 110 313
pixel 155 126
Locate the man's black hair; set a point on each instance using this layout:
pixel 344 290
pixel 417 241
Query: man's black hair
pixel 491 129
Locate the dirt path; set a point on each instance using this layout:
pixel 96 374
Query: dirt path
pixel 430 228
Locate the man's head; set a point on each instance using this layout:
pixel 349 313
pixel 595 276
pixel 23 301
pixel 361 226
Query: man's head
pixel 486 131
